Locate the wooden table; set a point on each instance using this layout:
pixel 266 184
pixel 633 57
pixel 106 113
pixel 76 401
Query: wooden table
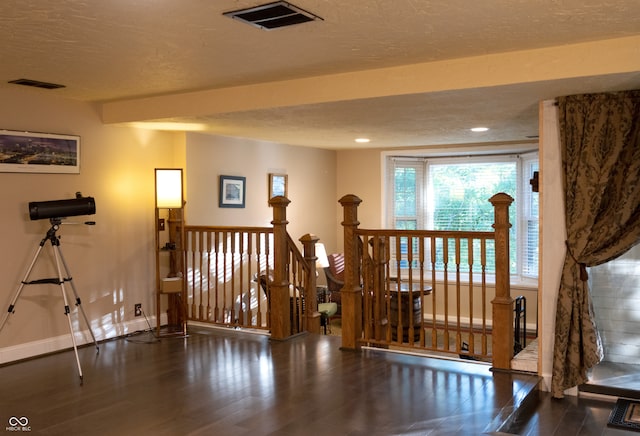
pixel 409 304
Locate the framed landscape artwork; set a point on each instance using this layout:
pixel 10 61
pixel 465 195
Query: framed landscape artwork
pixel 27 152
pixel 232 191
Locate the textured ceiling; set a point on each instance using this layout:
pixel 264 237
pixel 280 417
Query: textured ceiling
pixel 124 54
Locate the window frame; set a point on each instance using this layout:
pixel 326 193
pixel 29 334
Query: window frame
pixel 523 198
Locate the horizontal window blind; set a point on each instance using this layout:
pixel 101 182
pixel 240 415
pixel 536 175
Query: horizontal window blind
pixel 453 194
pixel 458 193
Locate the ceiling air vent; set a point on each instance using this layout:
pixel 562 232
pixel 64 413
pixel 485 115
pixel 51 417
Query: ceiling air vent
pixel 273 15
pixel 35 83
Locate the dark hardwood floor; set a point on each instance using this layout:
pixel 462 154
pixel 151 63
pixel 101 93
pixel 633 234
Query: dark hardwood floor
pixel 218 382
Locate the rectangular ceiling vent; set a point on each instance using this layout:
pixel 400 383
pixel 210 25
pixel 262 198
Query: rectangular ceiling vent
pixel 273 15
pixel 35 83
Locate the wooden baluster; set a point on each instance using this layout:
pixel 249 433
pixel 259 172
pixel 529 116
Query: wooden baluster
pixel 483 262
pixel 368 286
pixel 407 311
pixel 470 245
pixel 246 277
pixel 217 315
pixel 294 292
pixel 208 317
pixel 434 295
pixel 259 291
pixel 194 313
pixel 385 303
pixel 376 297
pixel 398 309
pixel 225 243
pixel 458 302
pixel 268 267
pixel 201 252
pixel 194 274
pixel 422 288
pixel 445 259
pixel 188 287
pixel 231 266
pixel 240 277
pixel 249 276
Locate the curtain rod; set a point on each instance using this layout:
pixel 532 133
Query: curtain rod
pixel 426 156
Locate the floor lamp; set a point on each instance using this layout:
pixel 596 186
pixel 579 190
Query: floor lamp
pixel 169 206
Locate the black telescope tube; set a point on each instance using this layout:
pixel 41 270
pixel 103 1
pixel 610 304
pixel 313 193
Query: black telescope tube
pixel 39 210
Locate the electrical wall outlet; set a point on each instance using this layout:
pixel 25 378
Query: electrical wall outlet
pixel 137 309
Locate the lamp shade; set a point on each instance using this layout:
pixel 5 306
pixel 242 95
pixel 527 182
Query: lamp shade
pixel 321 254
pixel 169 188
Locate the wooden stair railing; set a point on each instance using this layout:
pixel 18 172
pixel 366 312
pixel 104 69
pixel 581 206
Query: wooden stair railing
pixel 222 271
pixel 414 293
pixel 371 316
pixel 293 297
pixel 252 277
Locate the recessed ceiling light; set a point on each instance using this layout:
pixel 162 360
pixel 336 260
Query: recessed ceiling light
pixel 362 140
pixel 479 129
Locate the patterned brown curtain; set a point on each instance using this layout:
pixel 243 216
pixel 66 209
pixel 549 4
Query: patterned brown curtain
pixel 600 140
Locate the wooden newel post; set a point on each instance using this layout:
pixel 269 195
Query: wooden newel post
pixel 311 315
pixel 502 303
pixel 351 293
pixel 280 310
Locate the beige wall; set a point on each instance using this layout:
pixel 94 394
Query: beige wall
pixel 311 184
pixel 360 173
pixel 112 262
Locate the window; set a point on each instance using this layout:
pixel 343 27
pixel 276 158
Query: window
pixel 453 194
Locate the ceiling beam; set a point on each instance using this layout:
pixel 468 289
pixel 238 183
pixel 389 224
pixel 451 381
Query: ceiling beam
pixel 621 55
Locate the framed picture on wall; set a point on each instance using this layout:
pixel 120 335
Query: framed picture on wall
pixel 277 185
pixel 26 152
pixel 232 191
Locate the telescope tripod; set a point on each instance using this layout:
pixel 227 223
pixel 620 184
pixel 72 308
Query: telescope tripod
pixel 60 280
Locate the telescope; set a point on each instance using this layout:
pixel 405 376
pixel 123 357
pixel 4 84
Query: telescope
pixel 56 211
pixel 80 205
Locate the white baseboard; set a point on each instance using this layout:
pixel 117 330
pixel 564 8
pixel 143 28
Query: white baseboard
pixel 477 322
pixel 50 345
pixel 601 397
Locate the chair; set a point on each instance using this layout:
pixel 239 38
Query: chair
pixel 264 279
pixel 335 277
pixel 295 298
pixel 327 311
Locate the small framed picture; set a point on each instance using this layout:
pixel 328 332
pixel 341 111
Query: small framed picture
pixel 232 191
pixel 277 185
